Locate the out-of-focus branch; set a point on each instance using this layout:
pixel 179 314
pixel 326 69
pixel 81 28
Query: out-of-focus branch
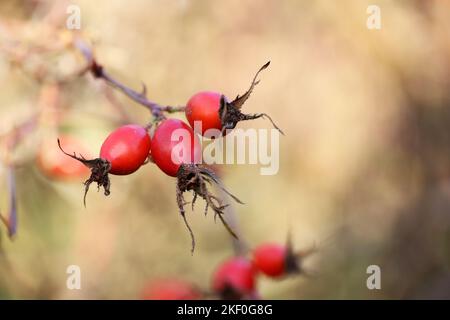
pixel 10 139
pixel 10 221
pixel 240 246
pixel 98 71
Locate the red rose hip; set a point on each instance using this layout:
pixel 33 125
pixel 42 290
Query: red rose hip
pixel 270 259
pixel 122 153
pixel 234 278
pixel 203 108
pixel 176 150
pixel 174 143
pixel 208 110
pixel 126 149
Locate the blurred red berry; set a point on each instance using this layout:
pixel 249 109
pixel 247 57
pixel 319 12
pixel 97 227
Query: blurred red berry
pixel 56 165
pixel 174 143
pixel 271 259
pixel 126 148
pixel 234 278
pixel 170 289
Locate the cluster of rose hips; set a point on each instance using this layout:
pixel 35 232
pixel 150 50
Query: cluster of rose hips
pixel 130 146
pixel 235 278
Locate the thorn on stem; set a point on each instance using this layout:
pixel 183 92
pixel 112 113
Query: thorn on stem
pixel 144 90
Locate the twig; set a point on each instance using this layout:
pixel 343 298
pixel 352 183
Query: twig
pixel 99 72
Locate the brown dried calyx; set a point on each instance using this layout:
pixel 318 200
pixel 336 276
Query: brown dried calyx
pixel 193 177
pixel 230 112
pixel 99 172
pixel 294 259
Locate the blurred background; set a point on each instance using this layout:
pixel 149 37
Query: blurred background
pixel 364 166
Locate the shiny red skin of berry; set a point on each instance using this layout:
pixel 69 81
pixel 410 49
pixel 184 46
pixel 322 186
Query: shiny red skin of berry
pixel 164 142
pixel 237 274
pixel 170 289
pixel 270 259
pixel 126 148
pixel 204 107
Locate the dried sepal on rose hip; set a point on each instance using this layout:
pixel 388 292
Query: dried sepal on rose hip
pixel 213 110
pixel 123 152
pixel 176 150
pixel 277 260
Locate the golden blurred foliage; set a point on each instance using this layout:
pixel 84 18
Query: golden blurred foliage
pixel 364 166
